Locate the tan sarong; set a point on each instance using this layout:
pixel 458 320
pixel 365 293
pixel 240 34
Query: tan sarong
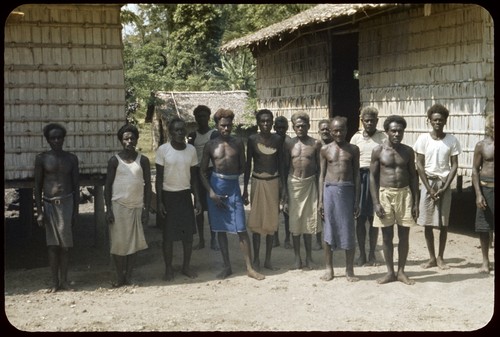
pixel 303 205
pixel 126 233
pixel 263 217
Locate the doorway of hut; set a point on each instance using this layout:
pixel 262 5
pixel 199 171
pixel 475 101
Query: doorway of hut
pixel 344 84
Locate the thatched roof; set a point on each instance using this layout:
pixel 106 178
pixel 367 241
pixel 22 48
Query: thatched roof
pixel 316 15
pixel 183 103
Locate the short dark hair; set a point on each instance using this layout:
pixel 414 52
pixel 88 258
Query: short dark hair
pixel 201 108
pixel 394 119
pixel 261 112
pixel 51 126
pixel 223 113
pixel 175 120
pixel 281 119
pixel 300 115
pixel 128 128
pixel 438 109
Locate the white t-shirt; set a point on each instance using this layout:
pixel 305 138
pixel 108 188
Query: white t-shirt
pixel 366 145
pixel 176 166
pixel 437 153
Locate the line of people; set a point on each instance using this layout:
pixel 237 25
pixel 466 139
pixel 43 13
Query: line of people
pixel 328 189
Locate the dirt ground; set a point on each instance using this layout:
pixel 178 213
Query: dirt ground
pixel 458 299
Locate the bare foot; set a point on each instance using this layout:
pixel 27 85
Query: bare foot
pixel 253 274
pixel 429 264
pixel 350 277
pixel 199 246
pixel 390 277
pixel 309 264
pixel 189 273
pixel 256 264
pixel 288 245
pixel 328 275
pixel 269 266
pixel 169 275
pixel 117 284
pixel 66 286
pixel 297 264
pixel 441 264
pixel 224 273
pixel 485 268
pixel 371 263
pixel 403 278
pixel 52 289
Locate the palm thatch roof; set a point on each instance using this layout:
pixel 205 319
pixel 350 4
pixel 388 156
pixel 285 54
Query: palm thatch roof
pixel 182 104
pixel 313 16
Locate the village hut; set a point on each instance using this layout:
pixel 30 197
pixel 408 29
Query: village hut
pixel 181 104
pixel 334 59
pixel 63 63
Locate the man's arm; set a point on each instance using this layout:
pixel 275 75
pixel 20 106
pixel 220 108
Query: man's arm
pixel 451 175
pixel 375 181
pixel 248 168
pixel 241 156
pixel 321 180
pixel 195 189
pixel 477 163
pixel 413 183
pixel 357 185
pixel 421 174
pixel 75 182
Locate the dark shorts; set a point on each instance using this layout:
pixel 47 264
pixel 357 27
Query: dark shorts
pixel 485 219
pixel 365 198
pixel 179 224
pixel 202 191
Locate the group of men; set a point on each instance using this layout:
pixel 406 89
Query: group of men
pixel 328 189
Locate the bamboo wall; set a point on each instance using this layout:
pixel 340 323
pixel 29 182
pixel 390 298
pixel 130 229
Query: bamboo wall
pixel 442 53
pixel 64 64
pixel 295 78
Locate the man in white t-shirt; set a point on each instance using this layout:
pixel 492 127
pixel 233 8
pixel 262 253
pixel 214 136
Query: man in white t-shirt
pixel 437 163
pixel 175 180
pixel 367 139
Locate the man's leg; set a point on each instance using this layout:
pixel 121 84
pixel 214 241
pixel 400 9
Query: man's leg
pixel 429 239
pixel 484 239
pixel 287 231
pixel 443 236
pixel 269 248
pixel 403 248
pixel 256 250
pixel 168 247
pixel 388 249
pixel 373 238
pixel 296 250
pixel 200 219
pixel 308 248
pixel 120 269
pixel 318 245
pixel 361 236
pixel 187 247
pixel 129 267
pixel 247 252
pixel 63 266
pixel 224 249
pixel 53 253
pixel 349 265
pixel 327 249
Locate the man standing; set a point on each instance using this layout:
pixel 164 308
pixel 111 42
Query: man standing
pixel 483 180
pixel 265 151
pixel 56 183
pixel 198 139
pixel 225 204
pixel 366 140
pixel 176 179
pixel 394 189
pixel 281 127
pixel 339 197
pixel 437 164
pixel 301 201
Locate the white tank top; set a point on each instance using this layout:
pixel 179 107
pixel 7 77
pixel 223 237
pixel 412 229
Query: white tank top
pixel 128 186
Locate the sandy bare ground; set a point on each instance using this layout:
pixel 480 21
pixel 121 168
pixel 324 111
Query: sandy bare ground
pixel 458 299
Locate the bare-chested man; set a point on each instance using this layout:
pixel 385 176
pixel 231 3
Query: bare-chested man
pixel 394 190
pixel 339 197
pixel 265 151
pixel 56 177
pixel 301 202
pixel 225 204
pixel 483 180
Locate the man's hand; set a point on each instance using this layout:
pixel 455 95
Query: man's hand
pixel 40 220
pixel 379 210
pixel 110 217
pixel 145 217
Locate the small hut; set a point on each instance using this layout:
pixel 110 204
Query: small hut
pixel 182 104
pixel 62 63
pixel 334 59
